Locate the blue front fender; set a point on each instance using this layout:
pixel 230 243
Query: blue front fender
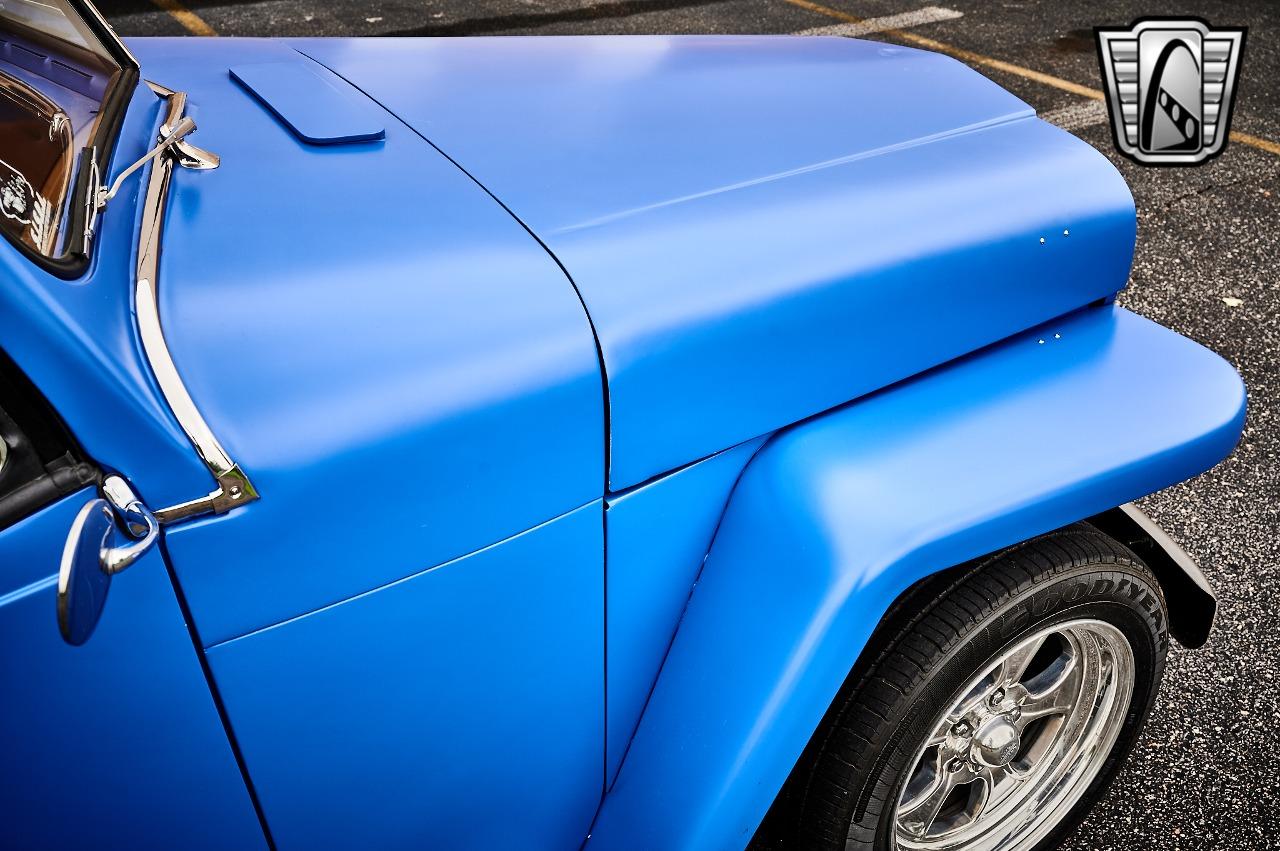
pixel 836 517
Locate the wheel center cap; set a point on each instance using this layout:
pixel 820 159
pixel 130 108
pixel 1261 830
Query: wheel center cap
pixel 996 743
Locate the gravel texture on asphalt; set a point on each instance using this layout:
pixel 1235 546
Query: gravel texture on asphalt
pixel 1206 773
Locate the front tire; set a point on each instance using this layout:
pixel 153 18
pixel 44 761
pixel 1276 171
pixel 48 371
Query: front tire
pixel 991 710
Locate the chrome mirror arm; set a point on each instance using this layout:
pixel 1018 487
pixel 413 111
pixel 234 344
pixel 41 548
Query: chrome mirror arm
pixel 95 551
pixel 138 519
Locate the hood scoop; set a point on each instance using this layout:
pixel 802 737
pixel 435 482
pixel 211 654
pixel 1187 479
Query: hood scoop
pixel 316 105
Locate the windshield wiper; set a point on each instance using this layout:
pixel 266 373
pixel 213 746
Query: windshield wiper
pixel 183 128
pixel 173 133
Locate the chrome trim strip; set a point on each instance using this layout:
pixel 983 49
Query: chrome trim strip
pixel 234 487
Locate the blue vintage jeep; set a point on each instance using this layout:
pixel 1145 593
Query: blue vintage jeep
pixel 558 443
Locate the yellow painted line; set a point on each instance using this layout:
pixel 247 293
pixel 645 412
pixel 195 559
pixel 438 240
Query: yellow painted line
pixel 192 22
pixel 999 65
pixel 1008 67
pixel 1256 142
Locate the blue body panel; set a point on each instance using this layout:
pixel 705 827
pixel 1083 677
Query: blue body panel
pixel 762 228
pixel 658 535
pixel 366 331
pixel 315 104
pixel 834 519
pixel 459 708
pixel 116 744
pixel 408 629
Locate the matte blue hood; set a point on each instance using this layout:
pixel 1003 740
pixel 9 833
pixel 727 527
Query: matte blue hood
pixel 762 228
pixel 332 310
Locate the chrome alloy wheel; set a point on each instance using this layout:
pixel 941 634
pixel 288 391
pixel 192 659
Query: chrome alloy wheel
pixel 1008 760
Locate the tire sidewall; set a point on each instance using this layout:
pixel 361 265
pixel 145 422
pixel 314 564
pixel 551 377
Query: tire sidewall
pixel 1114 593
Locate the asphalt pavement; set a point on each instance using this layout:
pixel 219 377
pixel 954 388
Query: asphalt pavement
pixel 1207 772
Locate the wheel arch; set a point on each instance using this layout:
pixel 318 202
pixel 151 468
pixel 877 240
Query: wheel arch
pixel 1191 601
pixel 835 518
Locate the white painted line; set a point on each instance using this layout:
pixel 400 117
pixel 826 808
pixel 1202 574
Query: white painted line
pixel 1078 116
pixel 901 21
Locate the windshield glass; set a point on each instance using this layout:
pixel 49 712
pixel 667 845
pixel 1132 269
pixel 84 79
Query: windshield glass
pixel 55 77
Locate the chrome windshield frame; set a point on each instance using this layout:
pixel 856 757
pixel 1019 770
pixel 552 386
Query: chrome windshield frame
pixel 94 159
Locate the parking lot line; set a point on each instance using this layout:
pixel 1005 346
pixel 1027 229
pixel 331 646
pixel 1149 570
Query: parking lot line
pixel 190 21
pixel 927 15
pixel 1256 142
pixel 1000 65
